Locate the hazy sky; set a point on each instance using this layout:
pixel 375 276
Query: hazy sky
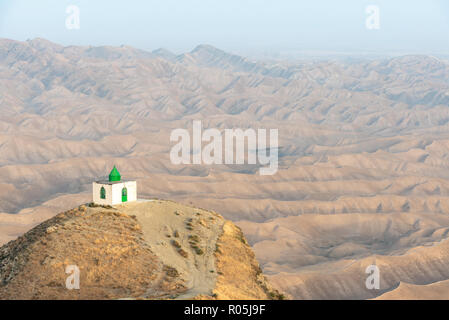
pixel 238 25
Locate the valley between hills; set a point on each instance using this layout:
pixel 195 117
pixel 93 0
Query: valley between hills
pixel 363 154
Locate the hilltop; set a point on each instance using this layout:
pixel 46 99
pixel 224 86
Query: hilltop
pixel 144 250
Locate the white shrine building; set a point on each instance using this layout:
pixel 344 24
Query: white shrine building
pixel 114 191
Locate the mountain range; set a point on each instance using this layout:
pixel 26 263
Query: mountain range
pixel 363 153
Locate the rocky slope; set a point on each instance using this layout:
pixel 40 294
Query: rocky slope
pixel 144 250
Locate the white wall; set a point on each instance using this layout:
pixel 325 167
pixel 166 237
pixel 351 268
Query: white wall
pixel 132 190
pixel 114 192
pixel 96 187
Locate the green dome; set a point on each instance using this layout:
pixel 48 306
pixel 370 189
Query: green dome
pixel 114 175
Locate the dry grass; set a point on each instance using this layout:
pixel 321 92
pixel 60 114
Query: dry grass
pixel 112 250
pixel 239 274
pixel 106 245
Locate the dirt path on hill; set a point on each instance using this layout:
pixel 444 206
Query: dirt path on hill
pixel 169 227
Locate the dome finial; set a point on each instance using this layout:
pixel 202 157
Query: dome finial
pixel 114 175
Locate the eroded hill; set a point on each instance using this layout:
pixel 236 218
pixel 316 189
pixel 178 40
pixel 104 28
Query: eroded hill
pixel 143 250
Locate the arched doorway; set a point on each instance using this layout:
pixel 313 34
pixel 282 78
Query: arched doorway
pixel 102 193
pixel 124 195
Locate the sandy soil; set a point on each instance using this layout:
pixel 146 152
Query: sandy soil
pixel 406 291
pixel 161 221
